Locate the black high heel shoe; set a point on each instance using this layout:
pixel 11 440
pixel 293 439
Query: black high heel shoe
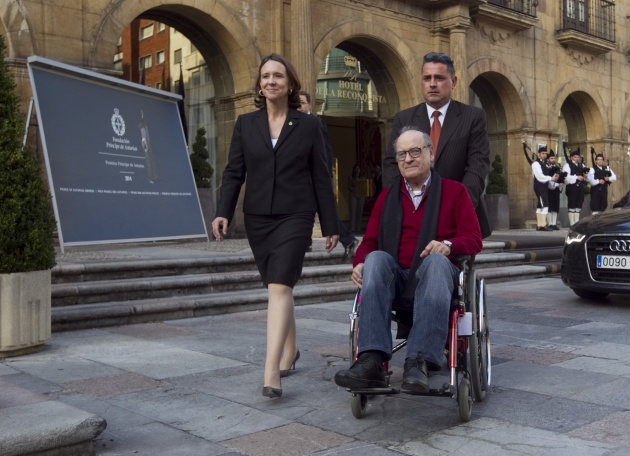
pixel 270 391
pixel 286 372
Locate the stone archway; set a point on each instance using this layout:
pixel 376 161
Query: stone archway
pixel 390 49
pixel 219 35
pixel 17 28
pixel 590 105
pixel 502 95
pixel 358 137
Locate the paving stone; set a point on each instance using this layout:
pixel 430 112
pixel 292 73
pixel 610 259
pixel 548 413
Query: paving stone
pixel 154 331
pixel 490 437
pixel 116 417
pixel 203 415
pixel 151 439
pixel 110 386
pixel 606 350
pixel 542 411
pixel 358 449
pixel 613 394
pixel 612 429
pixel 12 395
pixel 604 366
pixel 291 440
pixel 6 370
pixel 59 369
pixel 543 356
pixel 180 362
pixel 549 380
pixel 32 383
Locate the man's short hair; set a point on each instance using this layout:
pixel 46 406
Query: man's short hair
pixel 406 128
pixel 440 57
pixel 306 95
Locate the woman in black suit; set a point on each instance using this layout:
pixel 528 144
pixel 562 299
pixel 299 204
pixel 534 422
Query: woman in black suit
pixel 281 156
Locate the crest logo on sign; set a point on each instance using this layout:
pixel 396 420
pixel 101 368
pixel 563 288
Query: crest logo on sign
pixel 118 123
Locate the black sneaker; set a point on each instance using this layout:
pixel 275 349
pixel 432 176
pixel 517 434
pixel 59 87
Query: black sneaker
pixel 366 372
pixel 416 377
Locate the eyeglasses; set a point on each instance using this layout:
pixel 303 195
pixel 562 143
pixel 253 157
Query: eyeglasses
pixel 414 152
pixel 438 57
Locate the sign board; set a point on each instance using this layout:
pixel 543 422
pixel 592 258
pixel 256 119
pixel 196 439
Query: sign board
pixel 117 162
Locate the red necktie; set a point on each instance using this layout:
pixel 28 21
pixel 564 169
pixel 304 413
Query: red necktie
pixel 436 129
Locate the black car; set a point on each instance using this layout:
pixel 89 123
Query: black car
pixel 596 257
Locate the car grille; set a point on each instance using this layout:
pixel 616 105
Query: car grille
pixel 600 245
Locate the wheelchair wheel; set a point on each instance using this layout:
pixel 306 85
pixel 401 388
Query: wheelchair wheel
pixel 464 400
pixel 358 404
pixel 480 360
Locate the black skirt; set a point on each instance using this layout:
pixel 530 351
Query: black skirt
pixel 279 243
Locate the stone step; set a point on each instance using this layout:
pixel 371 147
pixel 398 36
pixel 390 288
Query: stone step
pixel 223 263
pixel 523 272
pixel 152 287
pixel 114 313
pixel 128 269
pixel 140 311
pixel 64 294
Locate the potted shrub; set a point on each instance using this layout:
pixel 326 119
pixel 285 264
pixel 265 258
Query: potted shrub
pixel 496 198
pixel 27 226
pixel 202 170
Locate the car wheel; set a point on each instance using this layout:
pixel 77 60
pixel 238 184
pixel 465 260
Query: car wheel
pixel 587 294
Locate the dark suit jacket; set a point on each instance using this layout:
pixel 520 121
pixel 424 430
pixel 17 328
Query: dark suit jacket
pixel 463 152
pixel 291 178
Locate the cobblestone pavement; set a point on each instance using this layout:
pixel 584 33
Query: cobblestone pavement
pixel 560 382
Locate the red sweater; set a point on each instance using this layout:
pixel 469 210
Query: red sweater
pixel 457 223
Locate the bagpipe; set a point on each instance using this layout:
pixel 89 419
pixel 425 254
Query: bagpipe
pixel 594 158
pixel 529 160
pixel 584 169
pixel 556 169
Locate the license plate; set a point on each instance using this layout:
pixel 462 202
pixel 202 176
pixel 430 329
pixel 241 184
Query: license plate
pixel 613 262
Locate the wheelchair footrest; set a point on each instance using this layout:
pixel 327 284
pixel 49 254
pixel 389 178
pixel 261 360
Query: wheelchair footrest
pixel 442 392
pixel 373 391
pixel 431 392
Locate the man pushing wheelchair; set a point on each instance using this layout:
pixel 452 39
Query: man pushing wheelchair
pixel 418 226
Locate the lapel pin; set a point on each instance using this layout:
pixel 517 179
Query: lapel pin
pixel 290 123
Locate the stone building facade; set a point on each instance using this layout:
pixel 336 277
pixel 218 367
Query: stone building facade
pixel 545 71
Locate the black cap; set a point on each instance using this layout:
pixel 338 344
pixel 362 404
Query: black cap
pixel 575 152
pixel 542 148
pixel 551 154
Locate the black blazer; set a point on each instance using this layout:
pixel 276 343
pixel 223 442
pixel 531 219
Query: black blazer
pixel 291 178
pixel 463 152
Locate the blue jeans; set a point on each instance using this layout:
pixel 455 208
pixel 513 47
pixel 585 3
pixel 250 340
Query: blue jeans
pixel 384 280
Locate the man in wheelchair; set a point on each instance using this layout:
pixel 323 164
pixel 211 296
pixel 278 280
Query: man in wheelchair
pixel 418 226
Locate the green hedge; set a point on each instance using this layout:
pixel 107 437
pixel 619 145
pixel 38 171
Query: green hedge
pixel 27 223
pixel 497 185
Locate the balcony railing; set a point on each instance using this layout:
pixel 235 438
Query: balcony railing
pixel 521 6
pixel 592 17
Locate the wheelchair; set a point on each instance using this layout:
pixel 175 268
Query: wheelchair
pixel 467 346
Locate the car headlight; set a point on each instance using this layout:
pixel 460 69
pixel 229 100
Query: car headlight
pixel 574 237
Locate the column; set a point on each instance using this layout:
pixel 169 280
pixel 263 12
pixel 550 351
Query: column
pixel 302 43
pixel 458 54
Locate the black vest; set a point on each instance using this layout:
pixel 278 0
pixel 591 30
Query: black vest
pixel 600 173
pixel 577 169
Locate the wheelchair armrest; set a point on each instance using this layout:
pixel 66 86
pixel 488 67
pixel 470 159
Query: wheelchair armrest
pixel 464 262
